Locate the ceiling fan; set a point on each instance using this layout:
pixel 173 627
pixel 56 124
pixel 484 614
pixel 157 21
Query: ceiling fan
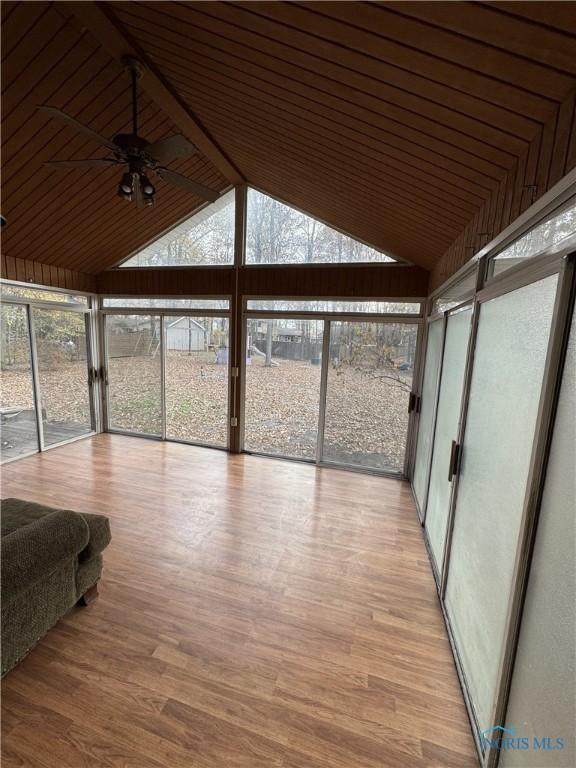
pixel 139 155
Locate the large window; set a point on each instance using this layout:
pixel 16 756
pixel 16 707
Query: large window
pixel 342 306
pixel 279 234
pixel 204 239
pixel 161 302
pixel 556 231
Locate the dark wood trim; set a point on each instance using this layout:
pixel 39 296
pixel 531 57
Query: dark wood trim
pixel 334 280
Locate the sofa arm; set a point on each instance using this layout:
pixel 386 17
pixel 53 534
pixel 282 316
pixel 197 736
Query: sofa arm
pixel 35 550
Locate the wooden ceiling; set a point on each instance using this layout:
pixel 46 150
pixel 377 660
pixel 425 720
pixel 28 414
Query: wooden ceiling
pixel 396 122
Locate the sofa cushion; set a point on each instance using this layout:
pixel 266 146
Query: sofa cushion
pixel 17 512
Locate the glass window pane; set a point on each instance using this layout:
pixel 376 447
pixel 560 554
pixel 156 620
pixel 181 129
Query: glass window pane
pixel 39 294
pixel 164 303
pixel 425 421
pixel 18 433
pixel 542 700
pixel 282 401
pixel 62 354
pixel 278 234
pixel 559 230
pixel 509 362
pixel 456 293
pixel 369 384
pixel 205 238
pixel 448 416
pixel 197 350
pixel 134 373
pixel 328 305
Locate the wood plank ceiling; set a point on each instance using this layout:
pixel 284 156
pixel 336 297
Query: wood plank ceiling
pixel 396 122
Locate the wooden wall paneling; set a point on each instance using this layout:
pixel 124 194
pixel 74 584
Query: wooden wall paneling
pixel 219 35
pixel 309 280
pixel 552 148
pixel 388 180
pixel 497 63
pixel 240 84
pixel 26 271
pixel 571 151
pixel 415 127
pixel 363 74
pixel 199 281
pixel 334 280
pixel 22 19
pixel 378 55
pixel 520 193
pixel 564 132
pixel 512 33
pixel 549 146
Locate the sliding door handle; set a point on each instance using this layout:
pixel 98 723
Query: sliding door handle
pixel 454 465
pixel 413 403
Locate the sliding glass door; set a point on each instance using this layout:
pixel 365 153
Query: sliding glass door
pixel 18 427
pixel 283 381
pixel 369 380
pixel 427 411
pixel 134 374
pixel 168 375
pixel 62 364
pixel 334 390
pixel 46 393
pixel 509 366
pixel 196 374
pixel 458 326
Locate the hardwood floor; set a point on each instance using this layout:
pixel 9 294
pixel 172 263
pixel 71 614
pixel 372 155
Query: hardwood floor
pixel 252 612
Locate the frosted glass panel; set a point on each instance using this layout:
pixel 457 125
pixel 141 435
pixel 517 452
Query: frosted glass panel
pixel 506 383
pixel 424 444
pixel 450 398
pixel 543 695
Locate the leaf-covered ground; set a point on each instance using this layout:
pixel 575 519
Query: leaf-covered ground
pixel 366 412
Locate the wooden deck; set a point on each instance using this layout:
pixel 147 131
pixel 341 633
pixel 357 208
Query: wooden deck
pixel 253 612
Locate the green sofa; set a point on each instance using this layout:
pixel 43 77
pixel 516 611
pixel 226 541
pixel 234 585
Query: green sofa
pixel 51 560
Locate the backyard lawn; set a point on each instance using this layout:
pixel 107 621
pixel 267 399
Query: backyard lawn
pixel 366 412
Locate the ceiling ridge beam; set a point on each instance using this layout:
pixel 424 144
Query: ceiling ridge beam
pixel 100 22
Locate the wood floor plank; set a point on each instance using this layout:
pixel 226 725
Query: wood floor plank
pixel 252 612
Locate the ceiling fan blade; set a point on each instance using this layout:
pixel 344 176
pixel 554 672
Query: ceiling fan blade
pixel 190 186
pixel 171 147
pixel 55 112
pixel 93 162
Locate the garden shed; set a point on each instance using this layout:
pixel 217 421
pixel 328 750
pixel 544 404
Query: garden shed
pixel 186 335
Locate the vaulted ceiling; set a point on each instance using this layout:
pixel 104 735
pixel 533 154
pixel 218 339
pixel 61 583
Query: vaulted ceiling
pixel 396 122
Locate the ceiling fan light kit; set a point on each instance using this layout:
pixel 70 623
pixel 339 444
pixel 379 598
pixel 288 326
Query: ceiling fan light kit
pixel 140 156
